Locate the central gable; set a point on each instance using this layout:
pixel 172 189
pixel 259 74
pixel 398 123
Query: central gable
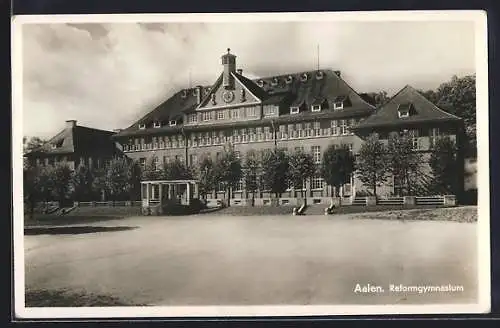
pixel 221 96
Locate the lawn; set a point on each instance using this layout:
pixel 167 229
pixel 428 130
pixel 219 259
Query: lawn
pixel 236 260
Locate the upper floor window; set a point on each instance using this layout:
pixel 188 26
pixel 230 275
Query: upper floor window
pixel 157 124
pixel 294 110
pixel 251 112
pixel 343 127
pixel 335 127
pixel 317 182
pixel 192 118
pixel 205 116
pixel 236 113
pixel 316 152
pixel 316 108
pixel 220 115
pixel 270 110
pixel 338 105
pixel 142 162
pixel 173 123
pixel 404 110
pixel 142 126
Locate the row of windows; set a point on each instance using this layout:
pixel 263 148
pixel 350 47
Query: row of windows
pixel 87 161
pixel 223 114
pixel 193 158
pixel 317 183
pixel 243 135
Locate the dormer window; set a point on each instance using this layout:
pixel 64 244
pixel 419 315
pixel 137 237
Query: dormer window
pixel 157 124
pixel 404 110
pixel 207 91
pixel 289 79
pixel 316 108
pixel 260 83
pixel 213 99
pixel 184 93
pixel 294 110
pixel 339 102
pixel 142 126
pixel 338 105
pixel 303 77
pixel 274 81
pixel 319 75
pixel 173 123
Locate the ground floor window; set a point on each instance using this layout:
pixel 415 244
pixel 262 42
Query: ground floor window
pixel 317 182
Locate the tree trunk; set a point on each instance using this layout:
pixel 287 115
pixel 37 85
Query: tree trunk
pixel 302 193
pixel 228 196
pixel 253 198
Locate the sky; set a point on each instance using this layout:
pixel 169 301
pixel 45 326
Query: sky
pixel 108 75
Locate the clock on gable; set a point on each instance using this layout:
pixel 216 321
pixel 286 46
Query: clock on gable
pixel 228 96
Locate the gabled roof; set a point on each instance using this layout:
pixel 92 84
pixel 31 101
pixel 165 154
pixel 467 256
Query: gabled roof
pixel 299 92
pixel 422 110
pixel 79 139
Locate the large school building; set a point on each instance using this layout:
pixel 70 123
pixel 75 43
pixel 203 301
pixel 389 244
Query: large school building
pixel 307 110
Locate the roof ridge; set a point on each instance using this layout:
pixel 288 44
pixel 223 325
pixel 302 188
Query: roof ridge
pixel 433 104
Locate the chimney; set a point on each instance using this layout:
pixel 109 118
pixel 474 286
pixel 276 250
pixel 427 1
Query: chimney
pixel 199 90
pixel 70 123
pixel 239 71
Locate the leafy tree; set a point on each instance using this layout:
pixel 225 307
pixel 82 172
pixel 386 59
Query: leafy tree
pixel 99 185
pixel 458 97
pixel 32 186
pixel 403 160
pixel 33 143
pixel 372 163
pixel 301 169
pixel 60 180
pixel 376 98
pixel 444 166
pixel 251 170
pixel 117 177
pixel 176 170
pixel 151 171
pixel 82 180
pixel 337 166
pixel 275 174
pixel 134 180
pixel 228 170
pixel 206 176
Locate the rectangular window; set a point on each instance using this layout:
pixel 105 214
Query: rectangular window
pixel 415 140
pixel 142 162
pixel 156 163
pixel 260 136
pixel 316 152
pixel 192 118
pixel 294 110
pixel 157 124
pixel 251 112
pixel 205 116
pixel 220 115
pixel 338 105
pixel 173 123
pixel 239 186
pixel 343 127
pixel 166 159
pixel 299 149
pixel 317 183
pixel 316 108
pixel 433 136
pixel 269 110
pixel 267 133
pixel 193 159
pixel 142 126
pixel 317 129
pixel 236 113
pixel 237 154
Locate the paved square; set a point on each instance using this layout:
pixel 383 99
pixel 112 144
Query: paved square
pixel 211 260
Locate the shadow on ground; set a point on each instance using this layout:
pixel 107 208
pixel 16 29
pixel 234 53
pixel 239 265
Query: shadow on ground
pixel 73 230
pixel 65 298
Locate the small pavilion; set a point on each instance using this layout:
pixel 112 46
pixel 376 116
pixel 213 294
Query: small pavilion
pixel 156 193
